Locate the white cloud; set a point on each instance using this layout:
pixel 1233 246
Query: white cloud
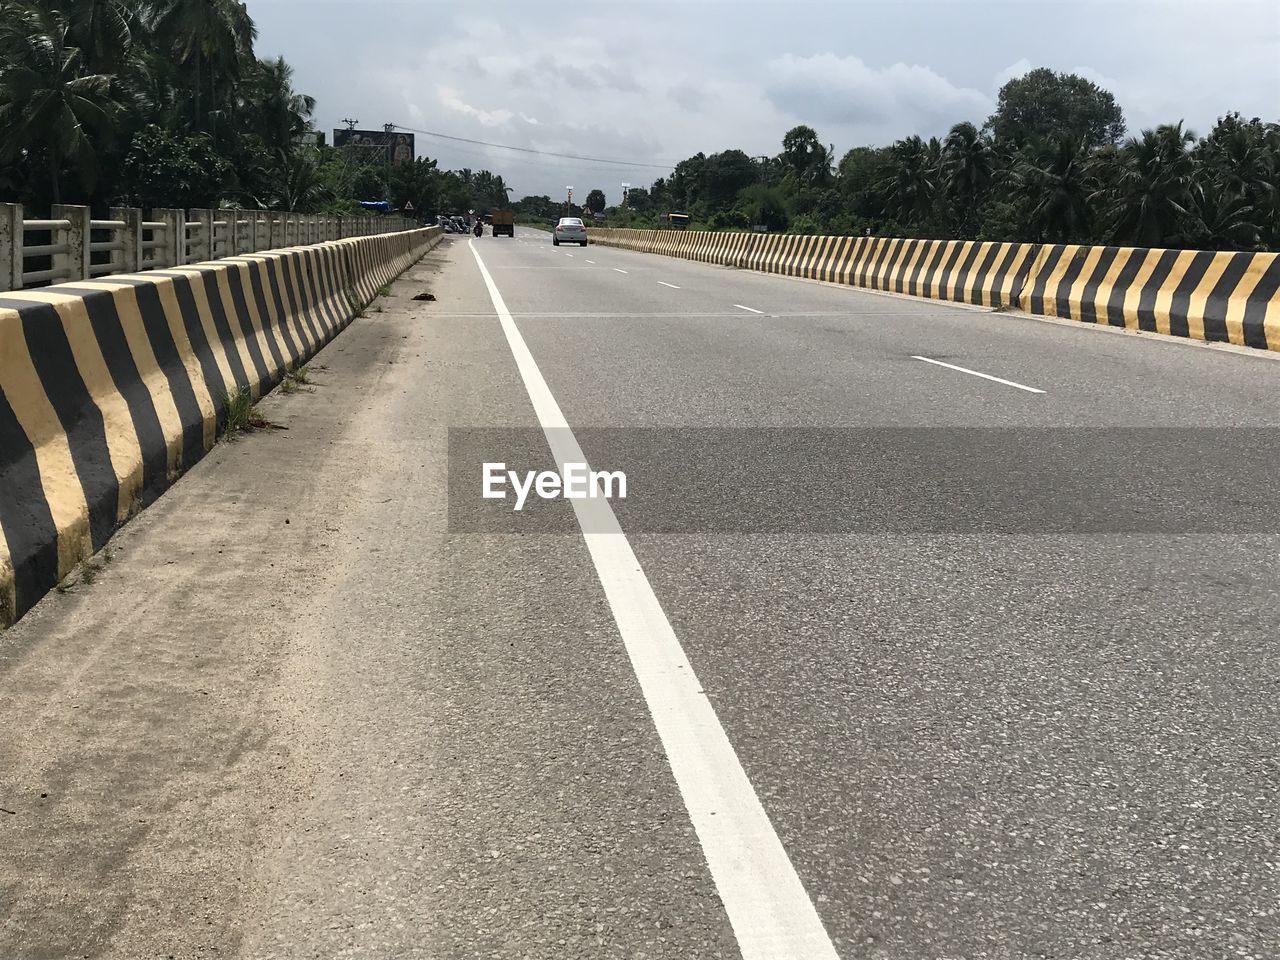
pixel 1010 72
pixel 489 118
pixel 898 99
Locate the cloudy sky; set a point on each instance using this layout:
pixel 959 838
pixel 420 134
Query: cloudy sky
pixel 650 83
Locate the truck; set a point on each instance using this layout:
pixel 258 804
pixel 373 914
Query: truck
pixel 504 223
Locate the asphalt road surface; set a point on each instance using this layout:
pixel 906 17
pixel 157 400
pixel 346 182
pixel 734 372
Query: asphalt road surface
pixel 326 700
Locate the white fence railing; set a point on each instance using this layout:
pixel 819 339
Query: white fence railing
pixel 70 245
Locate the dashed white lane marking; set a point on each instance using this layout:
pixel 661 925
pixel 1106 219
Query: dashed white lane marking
pixel 772 916
pixel 751 309
pixel 590 261
pixel 568 254
pixel 975 373
pixel 616 270
pixel 671 285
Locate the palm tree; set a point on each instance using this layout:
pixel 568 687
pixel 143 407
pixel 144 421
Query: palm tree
pixel 281 115
pixel 1222 219
pixel 104 31
pixel 1154 192
pixel 48 103
pixel 1051 180
pixel 912 186
pixel 207 36
pixel 968 166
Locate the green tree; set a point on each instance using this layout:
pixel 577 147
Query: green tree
pixel 415 182
pixel 49 106
pixel 212 38
pixel 1152 198
pixel 725 175
pixel 912 185
pixel 1043 104
pixel 804 156
pixel 280 115
pixel 596 201
pixel 164 169
pixel 968 166
pixel 1051 185
pixel 764 205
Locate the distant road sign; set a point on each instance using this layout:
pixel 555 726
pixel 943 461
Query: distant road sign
pixel 408 206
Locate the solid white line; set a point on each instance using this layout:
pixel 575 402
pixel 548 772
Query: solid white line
pixel 975 373
pixel 752 309
pixel 772 916
pixel 619 271
pixel 671 285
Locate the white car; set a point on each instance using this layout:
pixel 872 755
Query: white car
pixel 569 230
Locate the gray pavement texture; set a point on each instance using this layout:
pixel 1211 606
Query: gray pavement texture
pixel 294 716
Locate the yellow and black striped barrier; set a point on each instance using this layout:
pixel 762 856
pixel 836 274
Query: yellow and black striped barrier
pixel 1203 295
pixel 111 389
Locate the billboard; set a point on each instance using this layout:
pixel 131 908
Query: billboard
pixel 392 146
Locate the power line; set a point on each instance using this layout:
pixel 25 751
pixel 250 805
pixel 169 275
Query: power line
pixel 541 153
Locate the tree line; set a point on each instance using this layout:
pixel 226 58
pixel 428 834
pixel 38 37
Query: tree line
pixel 1051 164
pixel 164 103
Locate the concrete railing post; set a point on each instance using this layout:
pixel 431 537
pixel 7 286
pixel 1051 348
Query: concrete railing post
pixel 172 249
pixel 11 237
pixel 130 237
pixel 201 246
pixel 232 216
pixel 74 264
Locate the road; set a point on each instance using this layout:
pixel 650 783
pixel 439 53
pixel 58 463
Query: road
pixel 323 700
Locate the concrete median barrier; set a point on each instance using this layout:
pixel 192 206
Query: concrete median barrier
pixel 1203 295
pixel 111 389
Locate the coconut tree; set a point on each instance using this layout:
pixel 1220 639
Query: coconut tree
pixel 968 166
pixel 1153 194
pixel 1050 179
pixel 280 115
pixel 211 38
pixel 911 187
pixel 50 105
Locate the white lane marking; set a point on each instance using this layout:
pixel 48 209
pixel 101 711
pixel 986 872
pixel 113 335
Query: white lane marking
pixel 975 373
pixel 590 261
pixel 671 285
pixel 752 309
pixel 616 270
pixel 568 254
pixel 772 916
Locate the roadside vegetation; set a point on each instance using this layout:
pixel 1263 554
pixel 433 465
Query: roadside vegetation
pixel 164 103
pixel 243 415
pixel 1054 163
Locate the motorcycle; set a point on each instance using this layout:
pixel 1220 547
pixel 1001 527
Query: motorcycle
pixel 479 228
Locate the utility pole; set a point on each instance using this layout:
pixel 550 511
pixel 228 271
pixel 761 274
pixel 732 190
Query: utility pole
pixel 351 124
